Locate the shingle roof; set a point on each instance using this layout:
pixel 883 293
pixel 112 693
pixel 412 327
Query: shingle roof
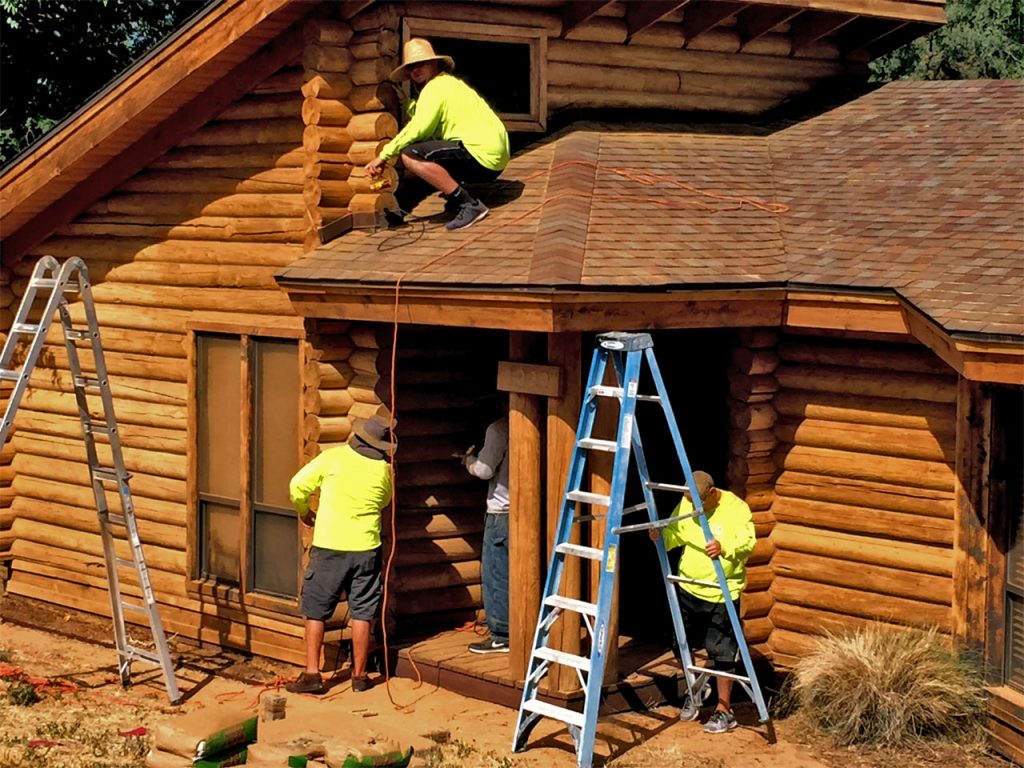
pixel 917 187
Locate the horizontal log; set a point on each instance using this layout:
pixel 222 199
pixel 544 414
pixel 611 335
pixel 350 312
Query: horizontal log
pixel 325 112
pixel 194 205
pixel 327 193
pixel 752 417
pixel 330 402
pixel 868 383
pixel 334 349
pixel 155 463
pixel 373 202
pixel 420 577
pixel 370 72
pixel 564 97
pixel 316 138
pixel 868 494
pixel 754 362
pixel 759 578
pixel 222 181
pixel 449 550
pixel 286 80
pixel 939 418
pixel 336 375
pixel 438 525
pixel 121 387
pixel 910 556
pixel 869 438
pixel 862 603
pixel 128 411
pixel 137 366
pixel 897 582
pixel 176 251
pixel 386 40
pixel 873 357
pixel 435 473
pixel 171 560
pixel 853 519
pixel 329 429
pixel 362 152
pixel 861 466
pixel 254 230
pixel 246 133
pixel 29 466
pixel 253 276
pixel 428 601
pixel 273 107
pixel 742 387
pixel 742 442
pixel 326 85
pixel 373 97
pixel 327 33
pixel 85 520
pixel 369 126
pixel 763 551
pixel 754 605
pixel 287 155
pixel 326 58
pixel 325 170
pixel 811 623
pixel 756 630
pixel 31 422
pixel 262 302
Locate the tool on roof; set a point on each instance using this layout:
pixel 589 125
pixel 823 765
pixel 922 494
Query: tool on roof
pixel 626 351
pixel 54 282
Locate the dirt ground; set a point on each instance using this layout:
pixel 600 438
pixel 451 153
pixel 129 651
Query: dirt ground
pixel 86 720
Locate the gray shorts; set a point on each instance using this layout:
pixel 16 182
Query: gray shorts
pixel 330 572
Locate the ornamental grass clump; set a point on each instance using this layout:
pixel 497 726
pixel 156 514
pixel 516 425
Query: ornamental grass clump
pixel 890 688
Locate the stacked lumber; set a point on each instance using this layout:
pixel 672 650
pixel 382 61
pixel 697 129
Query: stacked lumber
pixel 865 497
pixel 751 471
pixel 347 116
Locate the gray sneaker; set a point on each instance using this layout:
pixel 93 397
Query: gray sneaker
pixel 720 722
pixel 468 215
pixel 691 708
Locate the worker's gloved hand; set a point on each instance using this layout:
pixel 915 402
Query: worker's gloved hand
pixel 654 533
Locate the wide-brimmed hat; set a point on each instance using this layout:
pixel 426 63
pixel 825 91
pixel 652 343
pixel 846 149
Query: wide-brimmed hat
pixel 416 51
pixel 376 431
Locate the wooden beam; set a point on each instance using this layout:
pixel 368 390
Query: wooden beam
pixel 811 26
pixel 526 519
pixel 640 16
pixel 897 38
pixel 704 16
pixel 563 413
pixel 576 14
pixel 755 22
pixel 350 8
pixel 864 32
pixel 528 379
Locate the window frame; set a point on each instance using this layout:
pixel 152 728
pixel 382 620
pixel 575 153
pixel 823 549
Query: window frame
pixel 535 37
pixel 208 586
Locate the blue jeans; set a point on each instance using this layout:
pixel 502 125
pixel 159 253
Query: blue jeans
pixel 494 575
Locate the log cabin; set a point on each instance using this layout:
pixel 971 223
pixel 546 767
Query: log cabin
pixel 848 280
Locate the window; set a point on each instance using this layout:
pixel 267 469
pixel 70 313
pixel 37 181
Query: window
pixel 1008 460
pixel 517 90
pixel 247 448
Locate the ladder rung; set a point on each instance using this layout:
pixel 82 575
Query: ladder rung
pixel 571 604
pixel 586 497
pixel 124 562
pixel 566 659
pixel 142 653
pixel 84 382
pixel 134 608
pixel 42 282
pixel 108 474
pixel 8 375
pixel 74 333
pixel 117 519
pixel 685 580
pixel 649 398
pixel 97 427
pixel 604 391
pixel 542 708
pixel 642 506
pixel 579 550
pixel 718 673
pixel 29 328
pixel 667 487
pixel 594 444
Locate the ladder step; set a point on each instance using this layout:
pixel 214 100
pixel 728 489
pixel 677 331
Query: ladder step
pixel 142 653
pixel 42 282
pixel 76 334
pixel 84 382
pixel 667 487
pixel 8 375
pixel 566 659
pixel 124 562
pixel 718 673
pixel 685 580
pixel 117 519
pixel 108 474
pixel 544 709
pixel 134 608
pixel 600 499
pixel 571 604
pixel 649 398
pixel 97 428
pixel 579 550
pixel 28 328
pixel 594 444
pixel 601 390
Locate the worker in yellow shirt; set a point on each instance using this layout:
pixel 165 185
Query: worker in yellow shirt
pixel 453 136
pixel 705 618
pixel 354 481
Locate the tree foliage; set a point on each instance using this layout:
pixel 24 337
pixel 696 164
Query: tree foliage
pixel 981 39
pixel 55 54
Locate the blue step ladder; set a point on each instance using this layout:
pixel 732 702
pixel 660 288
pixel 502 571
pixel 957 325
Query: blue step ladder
pixel 626 351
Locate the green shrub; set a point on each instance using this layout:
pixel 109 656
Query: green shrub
pixel 22 694
pixel 890 688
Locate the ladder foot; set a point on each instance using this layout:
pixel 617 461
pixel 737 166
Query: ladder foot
pixel 523 732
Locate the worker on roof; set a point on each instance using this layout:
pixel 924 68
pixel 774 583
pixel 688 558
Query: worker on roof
pixel 705 618
pixel 453 136
pixel 354 481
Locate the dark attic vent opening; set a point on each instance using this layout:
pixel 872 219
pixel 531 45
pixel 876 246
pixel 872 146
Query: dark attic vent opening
pixel 500 72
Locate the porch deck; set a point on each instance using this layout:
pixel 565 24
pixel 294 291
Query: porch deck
pixel 648 674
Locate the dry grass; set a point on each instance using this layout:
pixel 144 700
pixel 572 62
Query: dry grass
pixel 890 688
pixel 455 753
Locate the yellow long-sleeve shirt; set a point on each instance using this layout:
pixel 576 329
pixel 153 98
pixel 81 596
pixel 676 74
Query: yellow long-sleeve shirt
pixel 733 526
pixel 353 491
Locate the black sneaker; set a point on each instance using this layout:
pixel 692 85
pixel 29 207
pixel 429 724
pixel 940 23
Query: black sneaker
pixel 490 645
pixel 307 682
pixel 468 215
pixel 361 683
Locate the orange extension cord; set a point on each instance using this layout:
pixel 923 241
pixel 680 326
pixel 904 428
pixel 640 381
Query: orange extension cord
pixel 644 179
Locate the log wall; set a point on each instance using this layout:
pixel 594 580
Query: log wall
pixel 8 307
pixel 864 499
pixel 751 471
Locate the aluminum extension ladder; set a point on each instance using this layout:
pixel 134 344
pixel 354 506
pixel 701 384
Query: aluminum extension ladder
pixel 627 352
pixel 54 282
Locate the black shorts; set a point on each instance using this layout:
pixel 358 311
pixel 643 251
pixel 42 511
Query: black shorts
pixel 358 574
pixel 454 158
pixel 707 626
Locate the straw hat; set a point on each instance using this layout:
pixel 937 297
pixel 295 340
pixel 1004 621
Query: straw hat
pixel 376 431
pixel 416 51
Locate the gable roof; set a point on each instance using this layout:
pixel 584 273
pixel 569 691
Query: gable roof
pixel 915 188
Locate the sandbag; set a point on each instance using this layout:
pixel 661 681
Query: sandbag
pixel 206 732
